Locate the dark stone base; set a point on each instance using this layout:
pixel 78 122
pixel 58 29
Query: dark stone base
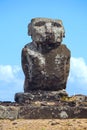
pixel 61 107
pixel 52 112
pixel 39 96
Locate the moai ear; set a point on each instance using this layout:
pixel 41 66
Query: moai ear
pixel 63 32
pixel 29 29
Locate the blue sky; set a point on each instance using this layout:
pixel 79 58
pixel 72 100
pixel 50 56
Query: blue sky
pixel 14 18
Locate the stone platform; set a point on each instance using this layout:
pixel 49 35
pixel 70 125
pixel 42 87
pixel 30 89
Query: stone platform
pixel 52 106
pixel 39 95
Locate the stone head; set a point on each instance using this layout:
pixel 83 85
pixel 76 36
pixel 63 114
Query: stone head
pixel 46 30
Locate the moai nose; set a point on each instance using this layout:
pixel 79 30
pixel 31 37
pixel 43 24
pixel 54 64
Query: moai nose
pixel 48 28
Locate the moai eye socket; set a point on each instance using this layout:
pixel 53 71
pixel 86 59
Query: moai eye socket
pixel 56 24
pixel 40 23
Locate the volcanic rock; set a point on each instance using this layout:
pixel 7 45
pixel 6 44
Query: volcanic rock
pixel 45 61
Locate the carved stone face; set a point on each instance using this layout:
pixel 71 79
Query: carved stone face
pixel 46 30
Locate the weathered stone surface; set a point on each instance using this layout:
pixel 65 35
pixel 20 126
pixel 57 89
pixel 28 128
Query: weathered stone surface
pixel 46 72
pixel 64 107
pixel 43 112
pixel 45 61
pixel 39 96
pixel 9 112
pixel 46 30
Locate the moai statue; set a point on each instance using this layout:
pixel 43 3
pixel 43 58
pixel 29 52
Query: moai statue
pixel 45 61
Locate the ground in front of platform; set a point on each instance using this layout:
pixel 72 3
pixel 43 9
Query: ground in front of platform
pixel 44 124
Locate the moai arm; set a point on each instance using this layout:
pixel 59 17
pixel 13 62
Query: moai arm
pixel 67 66
pixel 27 67
pixel 25 61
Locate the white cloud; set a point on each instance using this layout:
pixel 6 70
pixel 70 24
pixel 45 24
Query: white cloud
pixel 11 81
pixel 9 73
pixel 6 73
pixel 77 81
pixel 78 70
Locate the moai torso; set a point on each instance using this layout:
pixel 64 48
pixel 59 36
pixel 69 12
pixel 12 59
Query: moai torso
pixel 45 61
